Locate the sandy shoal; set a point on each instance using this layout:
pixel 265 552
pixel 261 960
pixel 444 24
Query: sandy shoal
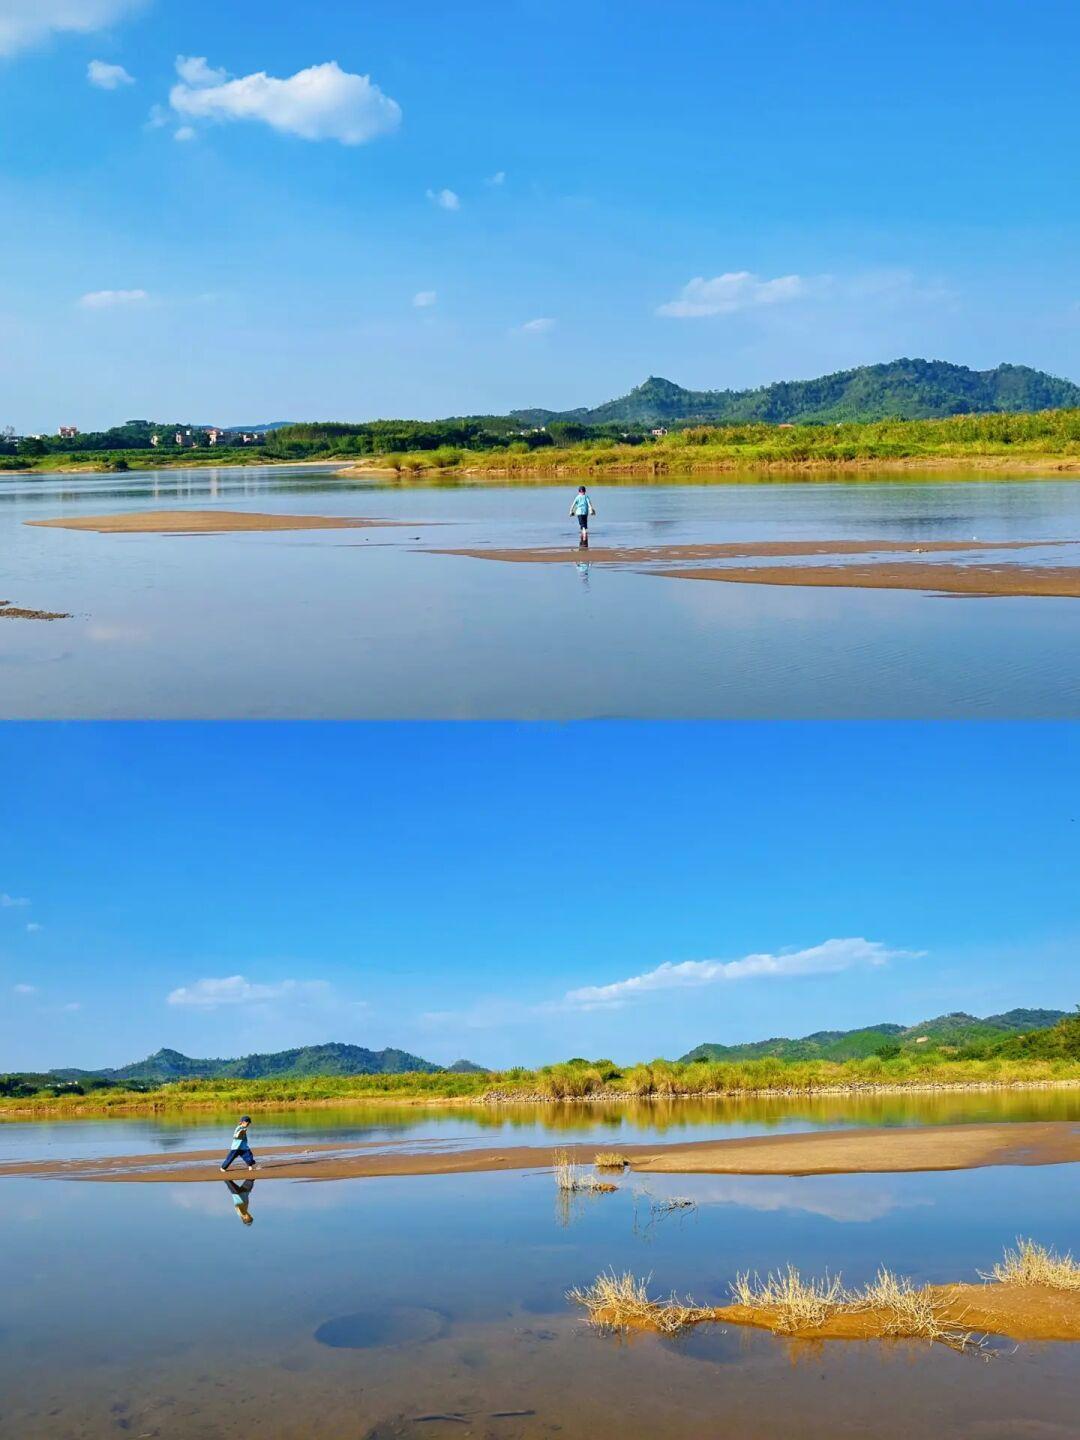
pixel 941 579
pixel 891 1149
pixel 1018 1312
pixel 201 522
pixel 733 550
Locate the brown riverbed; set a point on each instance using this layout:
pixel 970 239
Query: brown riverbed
pixel 863 1151
pixel 203 522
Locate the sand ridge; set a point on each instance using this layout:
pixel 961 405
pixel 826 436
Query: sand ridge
pixel 205 522
pixel 856 1151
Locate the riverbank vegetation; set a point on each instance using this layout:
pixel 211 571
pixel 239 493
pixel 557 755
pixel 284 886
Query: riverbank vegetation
pixel 1051 437
pixel 1041 1057
pixel 495 448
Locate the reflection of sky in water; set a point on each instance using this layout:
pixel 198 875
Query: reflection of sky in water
pixel 164 1278
pixel 357 624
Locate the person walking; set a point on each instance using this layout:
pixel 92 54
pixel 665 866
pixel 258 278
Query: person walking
pixel 582 507
pixel 240 1146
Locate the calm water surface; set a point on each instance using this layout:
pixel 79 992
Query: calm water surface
pixel 366 624
pixel 435 1306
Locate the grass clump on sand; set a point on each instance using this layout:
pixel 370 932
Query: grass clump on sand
pixel 621 1302
pixel 1033 1264
pixel 911 1312
pixel 610 1160
pixel 795 1303
pixel 571 1179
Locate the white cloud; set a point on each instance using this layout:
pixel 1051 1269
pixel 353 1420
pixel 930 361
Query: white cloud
pixel 106 76
pixel 8 902
pixel 72 1005
pixel 194 70
pixel 825 959
pixel 24 23
pixel 185 132
pixel 24 989
pixel 445 199
pixel 33 927
pixel 424 298
pixel 107 299
pixel 538 327
pixel 499 178
pixel 237 990
pixel 737 290
pixel 322 102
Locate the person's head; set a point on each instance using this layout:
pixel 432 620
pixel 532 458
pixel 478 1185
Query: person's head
pixel 581 489
pixel 245 1119
pixel 247 1217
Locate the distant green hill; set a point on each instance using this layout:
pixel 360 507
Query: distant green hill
pixel 901 389
pixel 955 1029
pixel 332 1059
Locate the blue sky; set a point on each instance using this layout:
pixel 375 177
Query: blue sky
pixel 529 202
pixel 490 891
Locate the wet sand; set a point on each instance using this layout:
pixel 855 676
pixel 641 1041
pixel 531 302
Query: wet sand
pixel 203 522
pixel 878 1151
pixel 974 580
pixel 18 612
pixel 943 578
pixel 736 550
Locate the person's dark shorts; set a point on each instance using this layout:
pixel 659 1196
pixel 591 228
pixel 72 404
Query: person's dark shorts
pixel 583 521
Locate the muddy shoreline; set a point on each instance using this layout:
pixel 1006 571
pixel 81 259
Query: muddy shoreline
pixel 892 1149
pixel 206 522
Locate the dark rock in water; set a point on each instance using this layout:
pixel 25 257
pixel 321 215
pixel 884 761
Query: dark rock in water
pixel 372 1329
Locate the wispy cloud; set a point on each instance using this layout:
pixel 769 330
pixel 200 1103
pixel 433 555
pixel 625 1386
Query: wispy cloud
pixel 210 993
pixel 111 299
pixel 828 958
pixel 445 199
pixel 24 23
pixel 323 102
pixel 499 178
pixel 736 290
pixel 72 1006
pixel 108 77
pixel 33 927
pixel 540 326
pixel 184 132
pixel 740 290
pixel 24 989
pixel 424 299
pixel 10 902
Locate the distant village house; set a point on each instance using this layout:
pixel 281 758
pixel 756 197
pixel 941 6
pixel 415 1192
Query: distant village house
pixel 67 432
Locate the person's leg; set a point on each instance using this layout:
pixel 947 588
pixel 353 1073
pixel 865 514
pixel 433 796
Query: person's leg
pixel 248 1157
pixel 229 1158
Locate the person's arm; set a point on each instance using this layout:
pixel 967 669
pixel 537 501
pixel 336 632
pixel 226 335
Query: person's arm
pixel 592 508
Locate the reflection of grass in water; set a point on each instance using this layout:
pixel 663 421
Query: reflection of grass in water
pixel 1034 1264
pixel 572 1179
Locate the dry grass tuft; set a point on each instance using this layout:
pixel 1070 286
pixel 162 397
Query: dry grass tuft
pixel 1034 1264
pixel 610 1160
pixel 911 1312
pixel 621 1302
pixel 797 1303
pixel 571 1179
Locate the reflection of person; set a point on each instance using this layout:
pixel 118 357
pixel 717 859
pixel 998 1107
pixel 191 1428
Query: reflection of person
pixel 582 507
pixel 241 1194
pixel 240 1145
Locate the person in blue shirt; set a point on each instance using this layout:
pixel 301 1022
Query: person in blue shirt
pixel 240 1145
pixel 582 507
